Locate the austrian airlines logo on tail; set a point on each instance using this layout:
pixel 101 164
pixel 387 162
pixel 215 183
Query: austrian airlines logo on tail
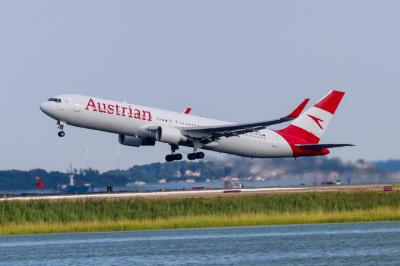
pixel 317 120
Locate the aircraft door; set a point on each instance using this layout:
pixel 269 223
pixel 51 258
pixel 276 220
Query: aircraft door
pixel 77 105
pixel 275 141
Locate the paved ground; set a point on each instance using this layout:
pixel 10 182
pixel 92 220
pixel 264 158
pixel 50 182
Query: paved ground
pixel 203 193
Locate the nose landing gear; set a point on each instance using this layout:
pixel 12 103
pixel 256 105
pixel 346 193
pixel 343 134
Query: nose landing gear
pixel 61 134
pixel 60 126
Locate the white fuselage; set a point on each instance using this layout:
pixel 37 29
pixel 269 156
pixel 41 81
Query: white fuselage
pixel 133 120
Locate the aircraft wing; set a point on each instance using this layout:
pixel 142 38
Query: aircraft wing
pixel 212 133
pixel 321 146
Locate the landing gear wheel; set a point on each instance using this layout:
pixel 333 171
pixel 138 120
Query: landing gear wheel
pixel 195 155
pixel 191 156
pixel 169 158
pixel 173 157
pixel 199 155
pixel 61 134
pixel 178 157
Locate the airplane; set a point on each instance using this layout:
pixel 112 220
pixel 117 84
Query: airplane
pixel 144 126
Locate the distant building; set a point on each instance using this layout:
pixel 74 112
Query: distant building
pixel 196 173
pixel 72 188
pixel 232 183
pixel 76 189
pixel 136 183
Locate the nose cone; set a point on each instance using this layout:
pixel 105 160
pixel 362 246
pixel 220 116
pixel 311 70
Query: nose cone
pixel 45 108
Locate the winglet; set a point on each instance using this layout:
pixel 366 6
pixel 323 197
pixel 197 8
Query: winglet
pixel 296 112
pixel 187 110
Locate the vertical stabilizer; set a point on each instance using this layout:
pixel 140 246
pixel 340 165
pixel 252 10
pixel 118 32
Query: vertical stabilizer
pixel 309 127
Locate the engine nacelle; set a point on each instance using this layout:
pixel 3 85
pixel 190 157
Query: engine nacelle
pixel 135 141
pixel 170 135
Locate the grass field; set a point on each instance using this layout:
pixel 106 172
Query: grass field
pixel 44 216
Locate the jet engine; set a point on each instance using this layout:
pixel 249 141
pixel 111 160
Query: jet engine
pixel 170 135
pixel 135 141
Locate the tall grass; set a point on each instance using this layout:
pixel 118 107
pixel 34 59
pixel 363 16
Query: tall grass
pixel 123 214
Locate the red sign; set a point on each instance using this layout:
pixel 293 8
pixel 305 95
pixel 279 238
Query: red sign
pixel 39 184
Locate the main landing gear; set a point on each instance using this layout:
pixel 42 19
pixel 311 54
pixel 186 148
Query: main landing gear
pixel 173 156
pixel 177 156
pixel 195 155
pixel 60 126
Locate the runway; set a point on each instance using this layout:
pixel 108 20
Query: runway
pixel 204 193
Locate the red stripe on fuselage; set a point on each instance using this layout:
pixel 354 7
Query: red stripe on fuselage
pixel 296 135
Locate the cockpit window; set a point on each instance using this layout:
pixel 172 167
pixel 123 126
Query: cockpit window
pixel 56 100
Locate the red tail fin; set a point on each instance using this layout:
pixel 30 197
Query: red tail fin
pixel 331 101
pixel 309 127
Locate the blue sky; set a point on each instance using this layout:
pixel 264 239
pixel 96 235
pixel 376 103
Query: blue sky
pixel 233 60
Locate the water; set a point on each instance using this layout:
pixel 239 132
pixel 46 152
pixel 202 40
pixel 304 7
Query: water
pixel 329 244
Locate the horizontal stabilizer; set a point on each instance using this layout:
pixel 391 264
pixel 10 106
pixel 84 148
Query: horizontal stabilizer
pixel 321 146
